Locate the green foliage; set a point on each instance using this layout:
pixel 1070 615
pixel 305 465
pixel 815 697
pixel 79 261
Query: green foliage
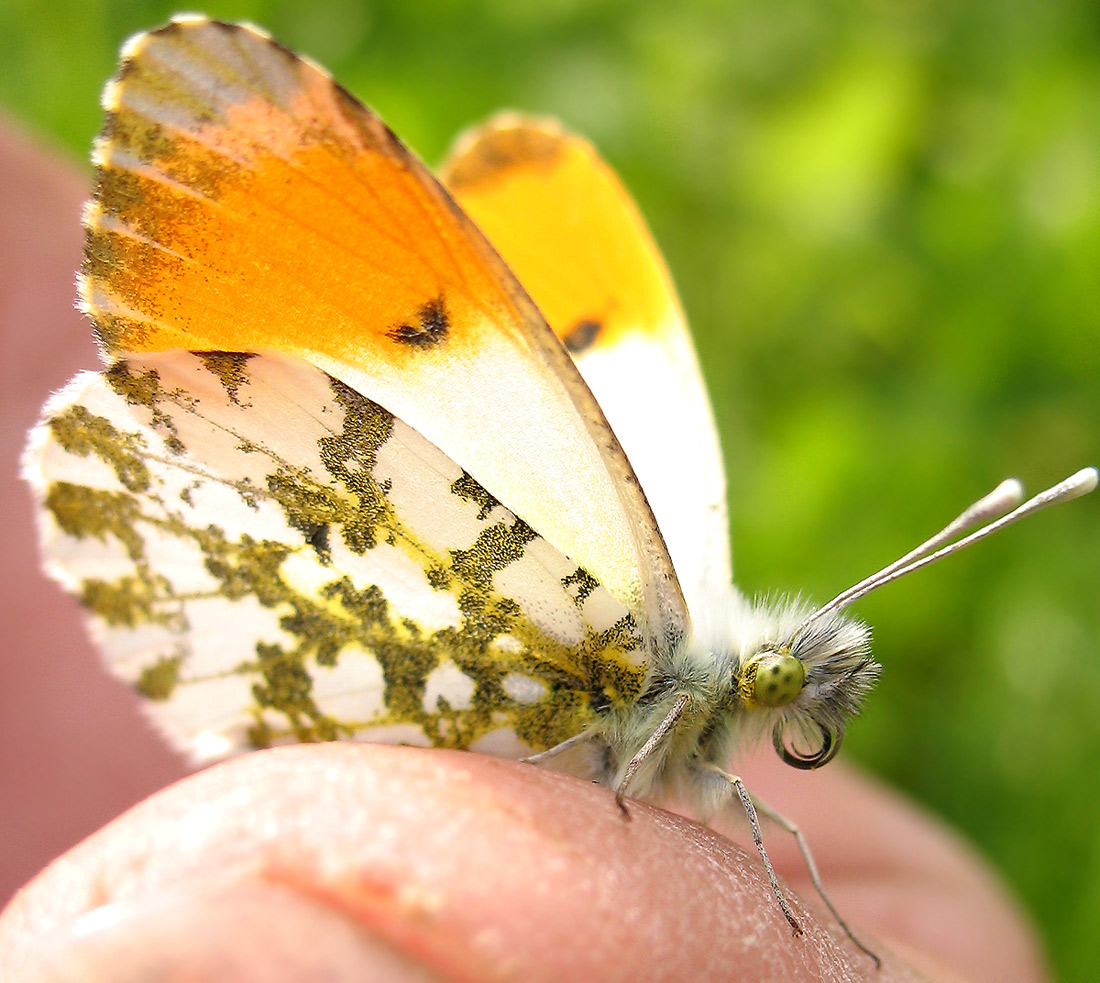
pixel 885 223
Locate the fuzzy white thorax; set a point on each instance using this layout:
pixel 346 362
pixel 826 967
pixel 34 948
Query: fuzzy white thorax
pixel 713 668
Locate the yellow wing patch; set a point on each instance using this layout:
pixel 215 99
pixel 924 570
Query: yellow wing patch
pixel 268 556
pixel 563 222
pixel 245 202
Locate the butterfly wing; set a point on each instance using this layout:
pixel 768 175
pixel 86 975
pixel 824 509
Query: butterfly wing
pixel 245 202
pixel 269 556
pixel 563 222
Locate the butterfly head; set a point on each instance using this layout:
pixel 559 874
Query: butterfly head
pixel 805 678
pixel 816 675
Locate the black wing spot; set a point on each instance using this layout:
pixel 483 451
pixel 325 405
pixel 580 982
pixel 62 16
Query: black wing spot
pixel 318 538
pixel 582 335
pixel 431 329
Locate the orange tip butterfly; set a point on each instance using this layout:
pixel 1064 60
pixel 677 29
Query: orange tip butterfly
pixel 383 457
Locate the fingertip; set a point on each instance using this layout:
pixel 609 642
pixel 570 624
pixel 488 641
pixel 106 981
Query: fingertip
pixel 468 866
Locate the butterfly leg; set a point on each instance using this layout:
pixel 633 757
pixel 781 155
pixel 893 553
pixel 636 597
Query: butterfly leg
pixel 647 749
pixel 758 839
pixel 553 752
pixel 765 810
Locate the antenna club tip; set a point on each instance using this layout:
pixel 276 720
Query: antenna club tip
pixel 1085 480
pixel 1010 492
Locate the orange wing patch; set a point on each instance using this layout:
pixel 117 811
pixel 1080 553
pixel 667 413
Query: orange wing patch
pixel 243 177
pixel 563 222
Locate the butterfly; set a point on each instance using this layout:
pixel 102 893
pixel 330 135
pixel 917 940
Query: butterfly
pixel 382 457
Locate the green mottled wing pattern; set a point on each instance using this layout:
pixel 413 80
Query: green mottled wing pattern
pixel 268 556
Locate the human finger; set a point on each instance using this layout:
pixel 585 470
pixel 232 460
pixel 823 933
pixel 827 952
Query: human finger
pixel 458 866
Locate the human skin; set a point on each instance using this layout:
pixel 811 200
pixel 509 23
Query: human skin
pixel 364 862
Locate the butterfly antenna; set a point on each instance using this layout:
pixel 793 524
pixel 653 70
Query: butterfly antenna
pixel 991 513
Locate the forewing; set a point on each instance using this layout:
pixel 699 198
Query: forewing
pixel 245 202
pixel 269 556
pixel 563 222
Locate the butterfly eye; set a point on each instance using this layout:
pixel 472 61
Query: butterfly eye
pixel 778 680
pixel 830 744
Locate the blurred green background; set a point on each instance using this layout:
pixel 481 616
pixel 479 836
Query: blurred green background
pixel 884 220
